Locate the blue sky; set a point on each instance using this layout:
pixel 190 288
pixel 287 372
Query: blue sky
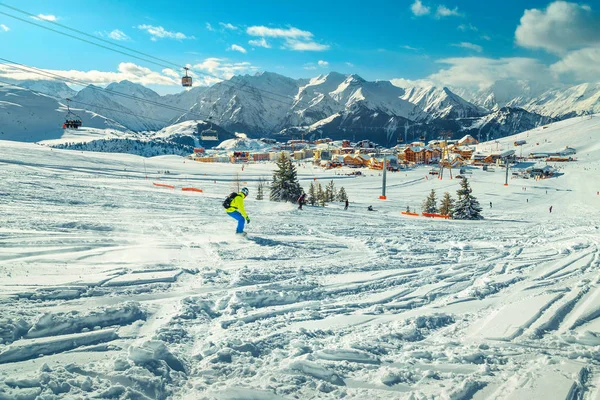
pixel 457 43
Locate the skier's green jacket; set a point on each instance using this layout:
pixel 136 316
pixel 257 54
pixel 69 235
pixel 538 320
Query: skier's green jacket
pixel 237 204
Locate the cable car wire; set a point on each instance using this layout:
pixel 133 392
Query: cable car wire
pixel 91 36
pixel 222 81
pixel 87 104
pixel 88 85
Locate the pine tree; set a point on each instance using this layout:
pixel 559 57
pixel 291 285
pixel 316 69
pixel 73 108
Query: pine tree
pixel 467 206
pixel 342 196
pixel 430 203
pixel 320 195
pixel 312 194
pixel 447 205
pixel 330 193
pixel 285 186
pixel 260 195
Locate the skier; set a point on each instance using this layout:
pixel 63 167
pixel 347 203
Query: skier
pixel 490 204
pixel 236 210
pixel 301 200
pixel 370 208
pixel 550 209
pixel 346 205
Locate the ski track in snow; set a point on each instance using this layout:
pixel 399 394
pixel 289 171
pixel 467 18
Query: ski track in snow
pixel 113 288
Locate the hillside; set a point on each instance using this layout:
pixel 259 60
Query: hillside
pixel 147 288
pixel 31 117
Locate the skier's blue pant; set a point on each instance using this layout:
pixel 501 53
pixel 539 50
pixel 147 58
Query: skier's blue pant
pixel 240 219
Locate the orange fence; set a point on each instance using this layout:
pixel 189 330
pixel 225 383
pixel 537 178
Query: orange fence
pixel 163 185
pixel 191 189
pixel 435 215
pixel 410 213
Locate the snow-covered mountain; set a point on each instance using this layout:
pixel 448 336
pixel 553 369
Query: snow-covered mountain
pixel 254 104
pixel 569 102
pixel 334 105
pixel 196 133
pixel 30 117
pixel 560 102
pixel 506 121
pixel 442 103
pixel 502 93
pixel 57 90
pixel 135 106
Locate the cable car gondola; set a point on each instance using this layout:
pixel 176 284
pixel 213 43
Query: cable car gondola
pixel 209 134
pixel 186 81
pixel 72 120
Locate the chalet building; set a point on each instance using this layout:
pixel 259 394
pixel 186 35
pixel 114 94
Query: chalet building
pixel 467 140
pixel 422 155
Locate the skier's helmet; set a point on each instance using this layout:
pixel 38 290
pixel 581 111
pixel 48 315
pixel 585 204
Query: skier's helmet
pixel 245 191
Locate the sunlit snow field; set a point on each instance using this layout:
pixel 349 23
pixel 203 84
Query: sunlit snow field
pixel 114 288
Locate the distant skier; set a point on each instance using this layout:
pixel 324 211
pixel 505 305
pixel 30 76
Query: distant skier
pixel 490 204
pixel 301 200
pixel 234 206
pixel 550 209
pixel 346 205
pixel 370 208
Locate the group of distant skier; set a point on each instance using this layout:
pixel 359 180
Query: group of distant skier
pixel 234 206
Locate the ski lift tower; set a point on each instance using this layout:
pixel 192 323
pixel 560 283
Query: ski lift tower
pixel 384 181
pixel 446 135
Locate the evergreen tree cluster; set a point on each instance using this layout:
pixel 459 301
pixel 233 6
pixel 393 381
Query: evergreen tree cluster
pixel 319 196
pixel 285 185
pixel 467 206
pixel 146 148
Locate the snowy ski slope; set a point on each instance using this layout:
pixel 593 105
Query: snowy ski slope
pixel 114 288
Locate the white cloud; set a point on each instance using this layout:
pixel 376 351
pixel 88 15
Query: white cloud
pixel 486 37
pixel 262 42
pixel 419 9
pixel 323 64
pixel 46 17
pixel 209 27
pixel 350 64
pixel 4 28
pixel 409 48
pixel 558 28
pixel 118 35
pixel 580 65
pixel 467 27
pixel 470 46
pixel 125 71
pixel 294 38
pixel 235 47
pixel 408 83
pixel 481 72
pixel 298 45
pixel 172 73
pixel 443 11
pixel 159 32
pixel 221 69
pixel 292 33
pixel 310 66
pixel 228 26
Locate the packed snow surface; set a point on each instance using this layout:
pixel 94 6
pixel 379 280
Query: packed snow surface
pixel 112 287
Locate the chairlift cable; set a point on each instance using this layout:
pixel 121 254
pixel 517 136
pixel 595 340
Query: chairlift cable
pixel 86 104
pixel 223 81
pixel 89 85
